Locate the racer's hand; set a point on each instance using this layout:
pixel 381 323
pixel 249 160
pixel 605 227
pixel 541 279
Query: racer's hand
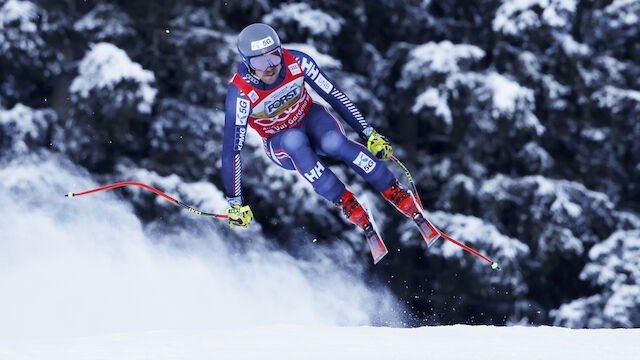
pixel 240 215
pixel 379 146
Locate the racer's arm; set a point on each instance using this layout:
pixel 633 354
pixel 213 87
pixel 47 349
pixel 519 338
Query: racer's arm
pixel 237 110
pixel 320 82
pixel 326 88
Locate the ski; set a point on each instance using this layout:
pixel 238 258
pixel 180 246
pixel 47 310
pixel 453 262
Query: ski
pixel 377 246
pixel 371 233
pixel 429 232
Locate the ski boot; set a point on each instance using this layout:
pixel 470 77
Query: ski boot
pixel 358 216
pixel 405 202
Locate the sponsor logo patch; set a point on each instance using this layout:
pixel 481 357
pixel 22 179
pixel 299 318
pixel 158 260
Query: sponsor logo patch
pixel 272 106
pixel 294 69
pixel 323 83
pixel 250 78
pixel 253 96
pixel 238 142
pixel 315 173
pixel 364 162
pixel 262 43
pixel 242 111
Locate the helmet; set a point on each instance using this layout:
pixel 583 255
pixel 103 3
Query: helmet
pixel 257 39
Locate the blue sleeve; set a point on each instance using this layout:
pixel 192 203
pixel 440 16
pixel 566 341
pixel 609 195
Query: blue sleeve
pixel 326 88
pixel 237 110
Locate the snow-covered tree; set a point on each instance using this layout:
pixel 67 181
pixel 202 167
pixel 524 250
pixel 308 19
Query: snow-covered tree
pixel 615 268
pixel 27 61
pixel 23 129
pixel 112 99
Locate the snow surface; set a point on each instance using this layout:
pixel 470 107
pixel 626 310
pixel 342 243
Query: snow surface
pixel 83 279
pixel 281 341
pixel 87 266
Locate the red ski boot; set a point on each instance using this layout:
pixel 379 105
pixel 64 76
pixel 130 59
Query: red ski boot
pixel 358 216
pixel 401 199
pixel 404 201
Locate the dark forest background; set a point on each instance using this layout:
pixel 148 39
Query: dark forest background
pixel 518 120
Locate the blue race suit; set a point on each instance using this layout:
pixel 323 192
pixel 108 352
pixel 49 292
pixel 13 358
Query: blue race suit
pixel 296 131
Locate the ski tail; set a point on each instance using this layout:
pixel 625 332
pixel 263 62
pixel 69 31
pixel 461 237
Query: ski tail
pixel 376 244
pixel 429 232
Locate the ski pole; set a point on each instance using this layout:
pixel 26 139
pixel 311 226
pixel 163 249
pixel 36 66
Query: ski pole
pixel 193 210
pixel 494 265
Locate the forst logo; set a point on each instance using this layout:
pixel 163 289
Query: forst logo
pixel 273 106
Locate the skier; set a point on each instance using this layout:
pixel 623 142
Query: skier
pixel 268 93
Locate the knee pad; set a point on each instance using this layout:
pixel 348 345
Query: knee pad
pixel 332 142
pixel 294 139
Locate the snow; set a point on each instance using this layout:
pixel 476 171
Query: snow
pixel 507 92
pixel 290 341
pixel 107 21
pixel 571 47
pixel 615 267
pixel 104 66
pixel 432 98
pixel 443 57
pixel 22 12
pixel 315 21
pixel 623 13
pixel 23 125
pixel 515 16
pixel 324 61
pixel 87 266
pixel 613 98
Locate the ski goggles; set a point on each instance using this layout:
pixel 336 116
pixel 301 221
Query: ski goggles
pixel 263 62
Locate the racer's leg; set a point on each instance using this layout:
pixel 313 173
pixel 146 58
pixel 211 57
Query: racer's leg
pixel 291 149
pixel 328 138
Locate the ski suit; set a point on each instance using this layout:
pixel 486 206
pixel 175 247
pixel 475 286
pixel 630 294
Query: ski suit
pixel 294 129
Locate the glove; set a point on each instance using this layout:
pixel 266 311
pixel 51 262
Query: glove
pixel 378 145
pixel 240 215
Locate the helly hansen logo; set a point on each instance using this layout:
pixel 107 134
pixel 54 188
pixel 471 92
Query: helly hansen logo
pixel 315 173
pixel 364 162
pixel 309 68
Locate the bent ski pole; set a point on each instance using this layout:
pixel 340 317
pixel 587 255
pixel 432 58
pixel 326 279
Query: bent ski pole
pixel 148 188
pixel 494 265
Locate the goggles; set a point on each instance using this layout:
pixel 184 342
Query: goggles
pixel 263 62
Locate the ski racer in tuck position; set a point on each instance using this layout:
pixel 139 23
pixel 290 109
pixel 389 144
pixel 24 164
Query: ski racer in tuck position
pixel 268 93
